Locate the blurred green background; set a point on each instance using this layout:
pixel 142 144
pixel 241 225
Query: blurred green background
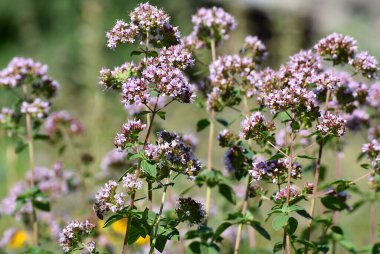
pixel 69 36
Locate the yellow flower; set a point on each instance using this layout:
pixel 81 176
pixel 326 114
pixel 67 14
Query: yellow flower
pixel 18 240
pixel 119 226
pixel 143 241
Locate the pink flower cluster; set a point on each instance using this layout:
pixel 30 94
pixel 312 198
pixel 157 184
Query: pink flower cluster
pixel 282 194
pixel 107 199
pixel 72 236
pixel 37 108
pixel 213 23
pixel 254 48
pixel 129 133
pixel 148 23
pixel 21 70
pixel 60 120
pixel 338 47
pixel 114 78
pixel 366 64
pixel 255 126
pixel 332 124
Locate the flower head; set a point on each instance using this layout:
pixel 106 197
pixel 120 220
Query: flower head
pixel 37 108
pixel 332 124
pixel 131 183
pixel 366 64
pixel 148 23
pixel 255 127
pixel 72 235
pixel 187 209
pixel 107 199
pixel 129 133
pixel 63 121
pixel 213 24
pixel 172 153
pixel 254 48
pixel 338 47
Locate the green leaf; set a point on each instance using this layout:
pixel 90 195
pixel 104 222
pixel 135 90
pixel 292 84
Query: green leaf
pixel 292 225
pixel 227 192
pixel 161 114
pixel 280 221
pixel 149 168
pixel 136 53
pixel 195 247
pixel 220 229
pixel 222 122
pixel 306 157
pixel 257 226
pixel 337 230
pixel 160 243
pixel 277 247
pixel 202 124
pixel 333 203
pixel 43 205
pixel 114 218
pixel 41 137
pixel 153 53
pixel 20 146
pixel 376 248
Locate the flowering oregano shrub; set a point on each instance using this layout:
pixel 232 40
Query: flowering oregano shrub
pixel 279 125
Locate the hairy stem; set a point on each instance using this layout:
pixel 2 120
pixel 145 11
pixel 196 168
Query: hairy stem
pixel 245 203
pixel 157 224
pixel 373 222
pixel 210 141
pixel 314 197
pixel 131 204
pixel 243 211
pixel 286 240
pixel 29 131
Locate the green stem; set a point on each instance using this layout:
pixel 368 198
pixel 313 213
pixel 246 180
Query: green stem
pixel 244 212
pixel 29 131
pixel 315 188
pixel 157 224
pixel 210 141
pixel 131 204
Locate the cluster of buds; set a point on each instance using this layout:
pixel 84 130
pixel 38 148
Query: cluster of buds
pixel 37 108
pixel 274 171
pixel 338 47
pixel 129 134
pixel 166 73
pixel 210 24
pixel 254 48
pixel 357 119
pixel 374 96
pixel 301 69
pixel 172 153
pixel 332 124
pixel 131 183
pixel 226 71
pixel 62 121
pixel 115 78
pixel 300 101
pixel 72 236
pixel 366 64
pixel 6 116
pixel 255 127
pixel 372 150
pixel 227 138
pixel 282 194
pixel 21 71
pixel 148 23
pixel 107 199
pixel 187 209
pixel 55 182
